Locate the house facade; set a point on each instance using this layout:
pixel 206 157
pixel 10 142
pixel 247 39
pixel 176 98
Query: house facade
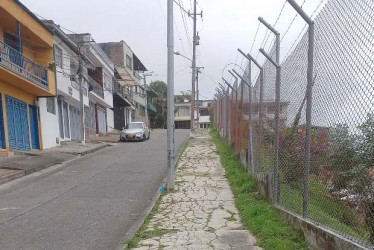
pixel 129 69
pixel 99 115
pixel 61 115
pixel 26 54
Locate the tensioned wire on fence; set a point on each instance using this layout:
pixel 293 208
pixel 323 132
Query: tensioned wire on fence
pixel 341 184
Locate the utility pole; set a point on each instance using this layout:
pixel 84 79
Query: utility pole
pixel 194 44
pixel 170 96
pixel 146 96
pixel 81 104
pixel 197 94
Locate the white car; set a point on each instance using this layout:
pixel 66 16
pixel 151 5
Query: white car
pixel 135 131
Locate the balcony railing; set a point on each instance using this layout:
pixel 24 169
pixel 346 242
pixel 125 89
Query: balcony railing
pixel 151 107
pixel 122 91
pixel 14 61
pixel 95 87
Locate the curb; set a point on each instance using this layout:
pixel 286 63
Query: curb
pixel 22 173
pixel 140 220
pixel 12 176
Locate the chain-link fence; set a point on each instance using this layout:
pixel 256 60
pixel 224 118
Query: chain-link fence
pixel 337 190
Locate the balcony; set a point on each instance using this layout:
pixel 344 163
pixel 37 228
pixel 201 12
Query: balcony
pixel 95 87
pixel 122 94
pixel 15 62
pixel 151 107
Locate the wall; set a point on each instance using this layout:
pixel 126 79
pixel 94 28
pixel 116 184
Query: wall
pixel 49 124
pixel 110 119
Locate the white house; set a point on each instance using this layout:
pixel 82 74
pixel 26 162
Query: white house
pixel 60 115
pixel 99 118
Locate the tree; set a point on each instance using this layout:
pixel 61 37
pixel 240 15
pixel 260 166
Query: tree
pixel 160 88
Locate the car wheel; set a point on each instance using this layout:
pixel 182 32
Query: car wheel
pixel 149 135
pixel 144 138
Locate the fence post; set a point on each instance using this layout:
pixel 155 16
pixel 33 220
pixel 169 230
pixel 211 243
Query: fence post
pixel 276 63
pixel 309 93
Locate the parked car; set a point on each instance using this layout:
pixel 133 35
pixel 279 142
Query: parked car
pixel 135 131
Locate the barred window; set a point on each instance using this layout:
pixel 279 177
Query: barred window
pixel 58 56
pixel 51 107
pixel 129 62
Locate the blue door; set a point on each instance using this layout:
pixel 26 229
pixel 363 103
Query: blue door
pixel 18 127
pixel 2 136
pixel 34 127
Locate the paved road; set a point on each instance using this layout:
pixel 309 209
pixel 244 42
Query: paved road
pixel 89 203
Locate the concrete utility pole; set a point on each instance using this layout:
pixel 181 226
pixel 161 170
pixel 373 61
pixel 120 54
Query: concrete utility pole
pixel 309 94
pixel 276 63
pixel 170 96
pixel 194 44
pixel 146 96
pixel 81 104
pixel 197 94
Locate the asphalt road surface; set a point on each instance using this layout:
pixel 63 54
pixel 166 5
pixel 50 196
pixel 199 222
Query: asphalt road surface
pixel 89 203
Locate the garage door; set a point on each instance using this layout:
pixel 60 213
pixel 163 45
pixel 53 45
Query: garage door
pixel 18 127
pixel 101 120
pixel 75 123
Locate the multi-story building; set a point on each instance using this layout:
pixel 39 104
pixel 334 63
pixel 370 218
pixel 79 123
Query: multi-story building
pixel 204 113
pixel 129 68
pixel 99 116
pixel 26 54
pixel 61 115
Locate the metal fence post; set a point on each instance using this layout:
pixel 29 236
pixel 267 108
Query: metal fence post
pixel 276 63
pixel 309 93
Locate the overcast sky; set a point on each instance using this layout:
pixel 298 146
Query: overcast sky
pixel 226 26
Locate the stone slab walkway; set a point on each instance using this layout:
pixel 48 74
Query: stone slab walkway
pixel 200 213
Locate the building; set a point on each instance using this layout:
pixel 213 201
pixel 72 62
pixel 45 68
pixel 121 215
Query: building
pixel 26 54
pixel 204 113
pixel 61 115
pixel 151 108
pixel 128 68
pixel 98 115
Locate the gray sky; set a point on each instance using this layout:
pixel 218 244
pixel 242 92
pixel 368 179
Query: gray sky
pixel 226 26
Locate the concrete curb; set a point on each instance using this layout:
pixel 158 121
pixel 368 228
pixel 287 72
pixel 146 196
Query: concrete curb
pixel 140 220
pixel 22 173
pixel 12 176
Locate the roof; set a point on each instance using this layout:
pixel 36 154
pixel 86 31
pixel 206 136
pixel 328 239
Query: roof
pixel 32 15
pixel 124 75
pixel 138 65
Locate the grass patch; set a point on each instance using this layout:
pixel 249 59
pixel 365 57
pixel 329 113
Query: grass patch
pixel 324 209
pixel 271 230
pixel 142 234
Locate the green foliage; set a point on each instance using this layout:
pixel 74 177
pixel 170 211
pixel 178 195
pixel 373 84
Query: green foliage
pixel 292 151
pixel 159 121
pixel 160 88
pixel 258 215
pixel 353 166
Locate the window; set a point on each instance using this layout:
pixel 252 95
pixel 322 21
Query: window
pixel 12 41
pixel 107 82
pixel 141 111
pixel 51 107
pixel 58 56
pixel 128 62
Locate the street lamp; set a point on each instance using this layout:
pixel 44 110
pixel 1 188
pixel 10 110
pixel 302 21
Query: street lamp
pixel 179 54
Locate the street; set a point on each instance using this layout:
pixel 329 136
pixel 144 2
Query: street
pixel 89 203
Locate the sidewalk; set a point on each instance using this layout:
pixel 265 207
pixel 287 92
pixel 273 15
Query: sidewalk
pixel 29 162
pixel 201 213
